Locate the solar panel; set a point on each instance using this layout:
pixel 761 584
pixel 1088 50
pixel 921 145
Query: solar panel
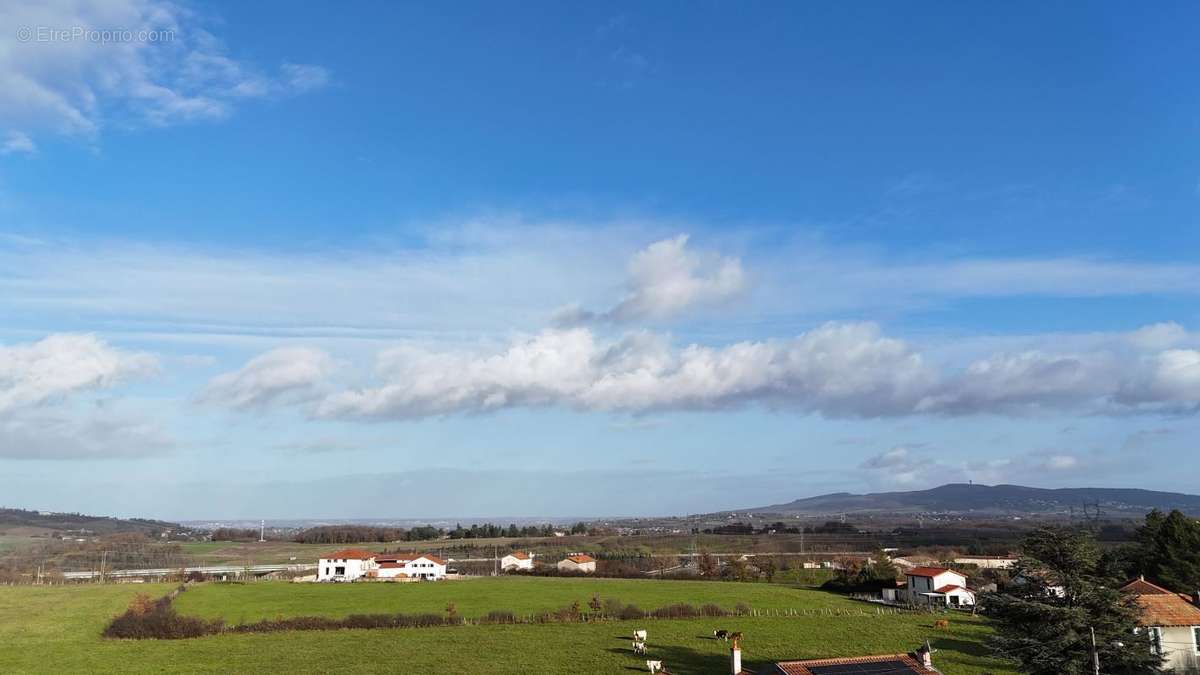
pixel 876 668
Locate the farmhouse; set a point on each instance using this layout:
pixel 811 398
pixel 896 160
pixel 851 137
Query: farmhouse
pixel 347 564
pixel 938 585
pixel 517 560
pixel 578 562
pixel 990 562
pixel 1173 621
pixel 409 566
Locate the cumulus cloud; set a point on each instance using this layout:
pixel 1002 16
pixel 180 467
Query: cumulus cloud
pixel 834 370
pixel 837 369
pixel 40 415
pixel 286 374
pixel 59 365
pixel 169 70
pixel 665 279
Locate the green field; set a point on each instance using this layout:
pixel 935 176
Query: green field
pixel 238 603
pixel 57 629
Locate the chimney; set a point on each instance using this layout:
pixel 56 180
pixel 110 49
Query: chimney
pixel 924 654
pixel 735 659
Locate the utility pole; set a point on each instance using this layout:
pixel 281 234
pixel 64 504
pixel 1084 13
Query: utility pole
pixel 1095 653
pixel 262 532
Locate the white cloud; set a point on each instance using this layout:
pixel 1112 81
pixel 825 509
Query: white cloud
pixel 665 279
pixel 835 370
pixel 1158 335
pixel 169 69
pixel 41 416
pixel 15 141
pixel 60 365
pixel 286 374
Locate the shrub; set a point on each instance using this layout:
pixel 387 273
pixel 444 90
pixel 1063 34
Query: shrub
pixel 146 619
pixel 499 616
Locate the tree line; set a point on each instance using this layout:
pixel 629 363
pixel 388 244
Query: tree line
pixel 350 534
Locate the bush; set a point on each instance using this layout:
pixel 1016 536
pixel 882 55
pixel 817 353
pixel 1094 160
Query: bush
pixel 157 620
pixel 499 616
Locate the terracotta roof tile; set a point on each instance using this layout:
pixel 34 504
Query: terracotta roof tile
pixel 804 667
pixel 1143 587
pixel 948 587
pixel 581 558
pixel 1161 607
pixel 929 571
pixel 349 554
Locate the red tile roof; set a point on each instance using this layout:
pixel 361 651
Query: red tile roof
pixel 520 555
pixel 948 587
pixel 407 557
pixel 349 554
pixel 581 558
pixel 910 664
pixel 929 571
pixel 1161 607
pixel 1143 587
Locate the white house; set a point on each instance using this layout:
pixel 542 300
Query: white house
pixel 578 562
pixel 401 565
pixel 1173 621
pixel 991 562
pixel 517 560
pixel 347 564
pixel 938 585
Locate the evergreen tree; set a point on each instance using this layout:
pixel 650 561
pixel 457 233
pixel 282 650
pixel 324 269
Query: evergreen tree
pixel 1048 631
pixel 1169 550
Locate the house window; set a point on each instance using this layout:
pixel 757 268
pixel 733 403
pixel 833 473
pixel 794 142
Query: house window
pixel 1196 638
pixel 1156 640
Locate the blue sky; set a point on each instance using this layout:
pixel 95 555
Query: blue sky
pixel 280 260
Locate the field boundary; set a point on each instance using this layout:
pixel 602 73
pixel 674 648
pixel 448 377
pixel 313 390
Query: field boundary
pixel 157 619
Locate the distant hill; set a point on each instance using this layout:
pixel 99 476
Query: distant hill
pixel 963 498
pixel 20 521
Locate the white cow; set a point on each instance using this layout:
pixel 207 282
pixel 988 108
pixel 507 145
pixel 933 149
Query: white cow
pixel 654 666
pixel 639 647
pixel 640 635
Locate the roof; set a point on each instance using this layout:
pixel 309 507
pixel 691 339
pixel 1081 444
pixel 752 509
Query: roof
pixel 400 556
pixel 349 554
pixel 888 663
pixel 930 571
pixel 581 558
pixel 519 555
pixel 1161 607
pixel 986 557
pixel 1143 587
pixel 948 588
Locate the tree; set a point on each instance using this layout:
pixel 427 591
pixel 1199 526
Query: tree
pixel 767 567
pixel 1048 632
pixel 707 565
pixel 579 528
pixel 1168 550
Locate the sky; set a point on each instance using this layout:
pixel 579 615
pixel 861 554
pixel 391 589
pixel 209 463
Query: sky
pixel 385 260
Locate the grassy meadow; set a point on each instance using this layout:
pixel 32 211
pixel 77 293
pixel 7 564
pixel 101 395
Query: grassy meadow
pixel 57 629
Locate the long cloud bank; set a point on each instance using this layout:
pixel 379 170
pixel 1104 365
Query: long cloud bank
pixel 835 370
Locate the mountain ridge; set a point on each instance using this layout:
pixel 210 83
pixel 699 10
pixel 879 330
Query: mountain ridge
pixel 979 499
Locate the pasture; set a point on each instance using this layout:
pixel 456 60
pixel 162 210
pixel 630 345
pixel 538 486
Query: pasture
pixel 57 629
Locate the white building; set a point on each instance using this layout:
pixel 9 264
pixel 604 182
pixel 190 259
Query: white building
pixel 990 562
pixel 400 565
pixel 578 562
pixel 938 586
pixel 347 564
pixel 1174 624
pixel 517 560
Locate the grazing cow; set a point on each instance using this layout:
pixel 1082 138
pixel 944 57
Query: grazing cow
pixel 721 635
pixel 735 636
pixel 640 635
pixel 639 647
pixel 941 623
pixel 654 666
